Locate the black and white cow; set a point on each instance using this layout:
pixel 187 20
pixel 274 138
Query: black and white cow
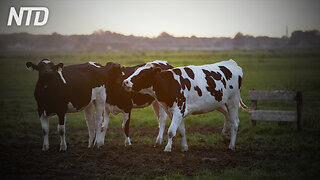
pixel 191 90
pixel 119 100
pixel 74 88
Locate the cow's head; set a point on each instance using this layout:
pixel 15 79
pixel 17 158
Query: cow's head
pixel 114 72
pixel 142 79
pixel 44 67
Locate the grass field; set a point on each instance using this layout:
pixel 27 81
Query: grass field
pixel 269 150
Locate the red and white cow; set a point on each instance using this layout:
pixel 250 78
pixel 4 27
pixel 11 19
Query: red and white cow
pixel 191 90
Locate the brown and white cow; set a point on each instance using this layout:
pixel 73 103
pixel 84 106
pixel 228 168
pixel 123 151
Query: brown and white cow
pixel 191 90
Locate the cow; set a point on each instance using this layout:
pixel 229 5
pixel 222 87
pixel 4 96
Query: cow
pixel 72 89
pixel 184 91
pixel 118 100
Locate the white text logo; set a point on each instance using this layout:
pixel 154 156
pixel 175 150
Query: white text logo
pixel 18 18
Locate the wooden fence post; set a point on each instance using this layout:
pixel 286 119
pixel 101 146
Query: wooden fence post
pixel 299 110
pixel 254 105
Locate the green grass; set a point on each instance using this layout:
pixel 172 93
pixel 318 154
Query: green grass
pixel 267 70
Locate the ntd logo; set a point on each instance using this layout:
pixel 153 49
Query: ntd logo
pixel 18 18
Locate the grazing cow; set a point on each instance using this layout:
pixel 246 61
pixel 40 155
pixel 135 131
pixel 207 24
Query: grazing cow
pixel 121 101
pixel 190 90
pixel 75 88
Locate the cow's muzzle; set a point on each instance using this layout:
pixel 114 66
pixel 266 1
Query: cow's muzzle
pixel 126 85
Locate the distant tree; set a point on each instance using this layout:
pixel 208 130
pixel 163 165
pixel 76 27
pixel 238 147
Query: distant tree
pixel 164 35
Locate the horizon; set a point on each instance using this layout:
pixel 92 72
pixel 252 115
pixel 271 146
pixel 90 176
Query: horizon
pixel 191 18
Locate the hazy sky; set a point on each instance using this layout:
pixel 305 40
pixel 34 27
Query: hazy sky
pixel 177 17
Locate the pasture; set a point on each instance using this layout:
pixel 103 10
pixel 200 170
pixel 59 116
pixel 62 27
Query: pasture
pixel 269 150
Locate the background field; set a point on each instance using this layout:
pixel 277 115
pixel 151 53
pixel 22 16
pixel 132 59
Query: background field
pixel 269 150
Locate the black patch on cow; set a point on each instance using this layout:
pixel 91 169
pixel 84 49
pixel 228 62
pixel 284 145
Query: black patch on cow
pixel 196 88
pixel 215 75
pixel 141 99
pixel 211 88
pixel 189 72
pixel 168 90
pixel 231 87
pixel 239 82
pixel 185 83
pixel 177 71
pixel 53 95
pixel 224 82
pixel 206 72
pixel 126 127
pixel 227 73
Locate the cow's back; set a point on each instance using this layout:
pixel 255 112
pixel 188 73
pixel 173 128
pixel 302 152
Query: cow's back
pixel 207 87
pixel 80 80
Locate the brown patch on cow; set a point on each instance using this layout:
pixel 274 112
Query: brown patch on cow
pixel 177 72
pixel 224 82
pixel 198 90
pixel 212 89
pixel 231 87
pixel 185 83
pixel 215 75
pixel 189 72
pixel 168 89
pixel 227 73
pixel 239 81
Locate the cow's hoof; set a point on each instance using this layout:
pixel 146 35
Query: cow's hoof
pixel 184 148
pixel 63 147
pixel 99 144
pixel 232 147
pixel 127 142
pixel 159 141
pixel 167 149
pixel 45 147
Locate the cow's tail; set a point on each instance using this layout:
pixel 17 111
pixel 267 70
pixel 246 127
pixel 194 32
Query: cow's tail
pixel 245 107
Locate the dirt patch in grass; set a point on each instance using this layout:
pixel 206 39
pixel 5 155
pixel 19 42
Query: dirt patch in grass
pixel 25 159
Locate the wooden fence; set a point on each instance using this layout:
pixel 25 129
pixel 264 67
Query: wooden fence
pixel 269 115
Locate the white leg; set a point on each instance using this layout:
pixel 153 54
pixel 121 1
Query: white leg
pixel 99 116
pixel 62 132
pixel 125 127
pixel 176 120
pixel 233 114
pixel 162 118
pixel 227 125
pixel 105 125
pixel 45 128
pixel 182 132
pixel 90 120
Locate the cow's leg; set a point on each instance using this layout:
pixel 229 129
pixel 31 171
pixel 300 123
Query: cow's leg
pixel 100 105
pixel 62 131
pixel 226 128
pixel 182 132
pixel 45 128
pixel 90 120
pixel 175 123
pixel 105 124
pixel 125 127
pixel 162 118
pixel 233 107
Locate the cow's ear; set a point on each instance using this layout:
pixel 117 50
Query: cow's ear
pixel 33 66
pixel 122 70
pixel 60 65
pixel 157 70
